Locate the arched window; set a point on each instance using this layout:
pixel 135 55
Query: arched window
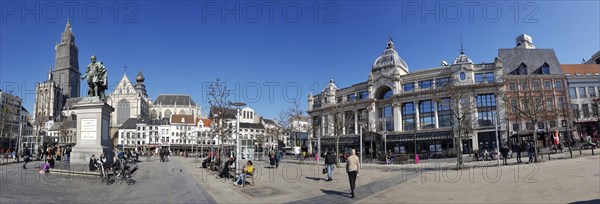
pixel 123 111
pixel 385 93
pixel 168 114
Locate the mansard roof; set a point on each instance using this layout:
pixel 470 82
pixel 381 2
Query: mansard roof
pixel 252 125
pixel 174 99
pixel 533 59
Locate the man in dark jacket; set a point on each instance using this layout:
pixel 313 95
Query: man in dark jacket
pixel 330 164
pixel 519 149
pixel 504 152
pixel 26 157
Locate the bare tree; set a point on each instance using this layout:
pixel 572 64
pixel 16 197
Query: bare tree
pixel 528 103
pixel 308 127
pixel 218 98
pixel 289 118
pixel 594 113
pixel 4 117
pixel 336 117
pixel 458 100
pixel 63 132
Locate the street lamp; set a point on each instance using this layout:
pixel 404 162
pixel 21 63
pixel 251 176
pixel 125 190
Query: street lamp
pixel 384 136
pixel 237 146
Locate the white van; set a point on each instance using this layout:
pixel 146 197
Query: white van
pixel 291 150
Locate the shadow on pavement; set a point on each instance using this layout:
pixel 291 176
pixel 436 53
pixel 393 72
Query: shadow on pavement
pixel 339 193
pixel 587 201
pixel 315 178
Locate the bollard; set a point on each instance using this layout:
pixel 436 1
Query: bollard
pixel 549 156
pixel 579 151
pixel 592 151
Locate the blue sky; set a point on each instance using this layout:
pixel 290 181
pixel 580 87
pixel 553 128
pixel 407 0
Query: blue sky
pixel 182 45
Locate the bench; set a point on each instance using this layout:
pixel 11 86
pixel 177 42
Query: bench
pixel 251 177
pixel 248 176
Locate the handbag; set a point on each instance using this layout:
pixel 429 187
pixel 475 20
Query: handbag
pixel 325 170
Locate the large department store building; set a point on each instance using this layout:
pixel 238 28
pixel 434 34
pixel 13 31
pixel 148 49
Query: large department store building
pixel 399 110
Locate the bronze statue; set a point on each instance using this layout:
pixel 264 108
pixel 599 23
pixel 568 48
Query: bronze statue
pixel 97 78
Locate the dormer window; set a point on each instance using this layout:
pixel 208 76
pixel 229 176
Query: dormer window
pixel 545 69
pixel 522 70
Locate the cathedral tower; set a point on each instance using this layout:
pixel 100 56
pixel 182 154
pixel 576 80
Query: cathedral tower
pixel 66 73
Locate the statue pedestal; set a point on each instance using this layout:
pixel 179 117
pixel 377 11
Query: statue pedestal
pixel 93 131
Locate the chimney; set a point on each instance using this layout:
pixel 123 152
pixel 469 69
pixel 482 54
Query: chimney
pixel 524 41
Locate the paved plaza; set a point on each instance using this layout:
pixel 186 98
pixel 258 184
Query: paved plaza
pixel 156 183
pixel 179 181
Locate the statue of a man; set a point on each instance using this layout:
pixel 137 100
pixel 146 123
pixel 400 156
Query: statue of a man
pixel 96 78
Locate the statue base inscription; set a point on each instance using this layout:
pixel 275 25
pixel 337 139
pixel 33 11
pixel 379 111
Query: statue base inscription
pixel 93 120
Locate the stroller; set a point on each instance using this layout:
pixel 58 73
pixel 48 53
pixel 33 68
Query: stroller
pixel 124 172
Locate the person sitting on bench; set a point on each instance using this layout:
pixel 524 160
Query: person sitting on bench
pixel 248 170
pixel 225 172
pixel 206 162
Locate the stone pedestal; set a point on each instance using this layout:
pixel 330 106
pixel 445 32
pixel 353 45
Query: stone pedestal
pixel 93 129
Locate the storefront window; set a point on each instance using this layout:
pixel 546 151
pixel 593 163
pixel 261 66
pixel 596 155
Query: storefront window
pixel 408 116
pixel 486 109
pixel 444 113
pixel 426 114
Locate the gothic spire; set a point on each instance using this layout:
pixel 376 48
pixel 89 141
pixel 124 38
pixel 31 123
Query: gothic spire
pixel 50 73
pixel 68 26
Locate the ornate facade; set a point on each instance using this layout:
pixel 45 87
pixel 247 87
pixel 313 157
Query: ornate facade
pixel 129 101
pixel 398 110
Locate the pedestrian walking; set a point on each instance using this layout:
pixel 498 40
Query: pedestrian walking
pixel 417 161
pixel 303 157
pixel 272 158
pixel 504 152
pixel 58 154
pixel 530 151
pixel 330 164
pixel 68 153
pixel 519 149
pixel 352 167
pixel 14 155
pixel 277 158
pixel 26 157
pixel 485 154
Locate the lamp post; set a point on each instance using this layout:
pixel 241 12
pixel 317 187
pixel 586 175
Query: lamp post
pixel 497 142
pixel 237 137
pixel 384 136
pixel 361 146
